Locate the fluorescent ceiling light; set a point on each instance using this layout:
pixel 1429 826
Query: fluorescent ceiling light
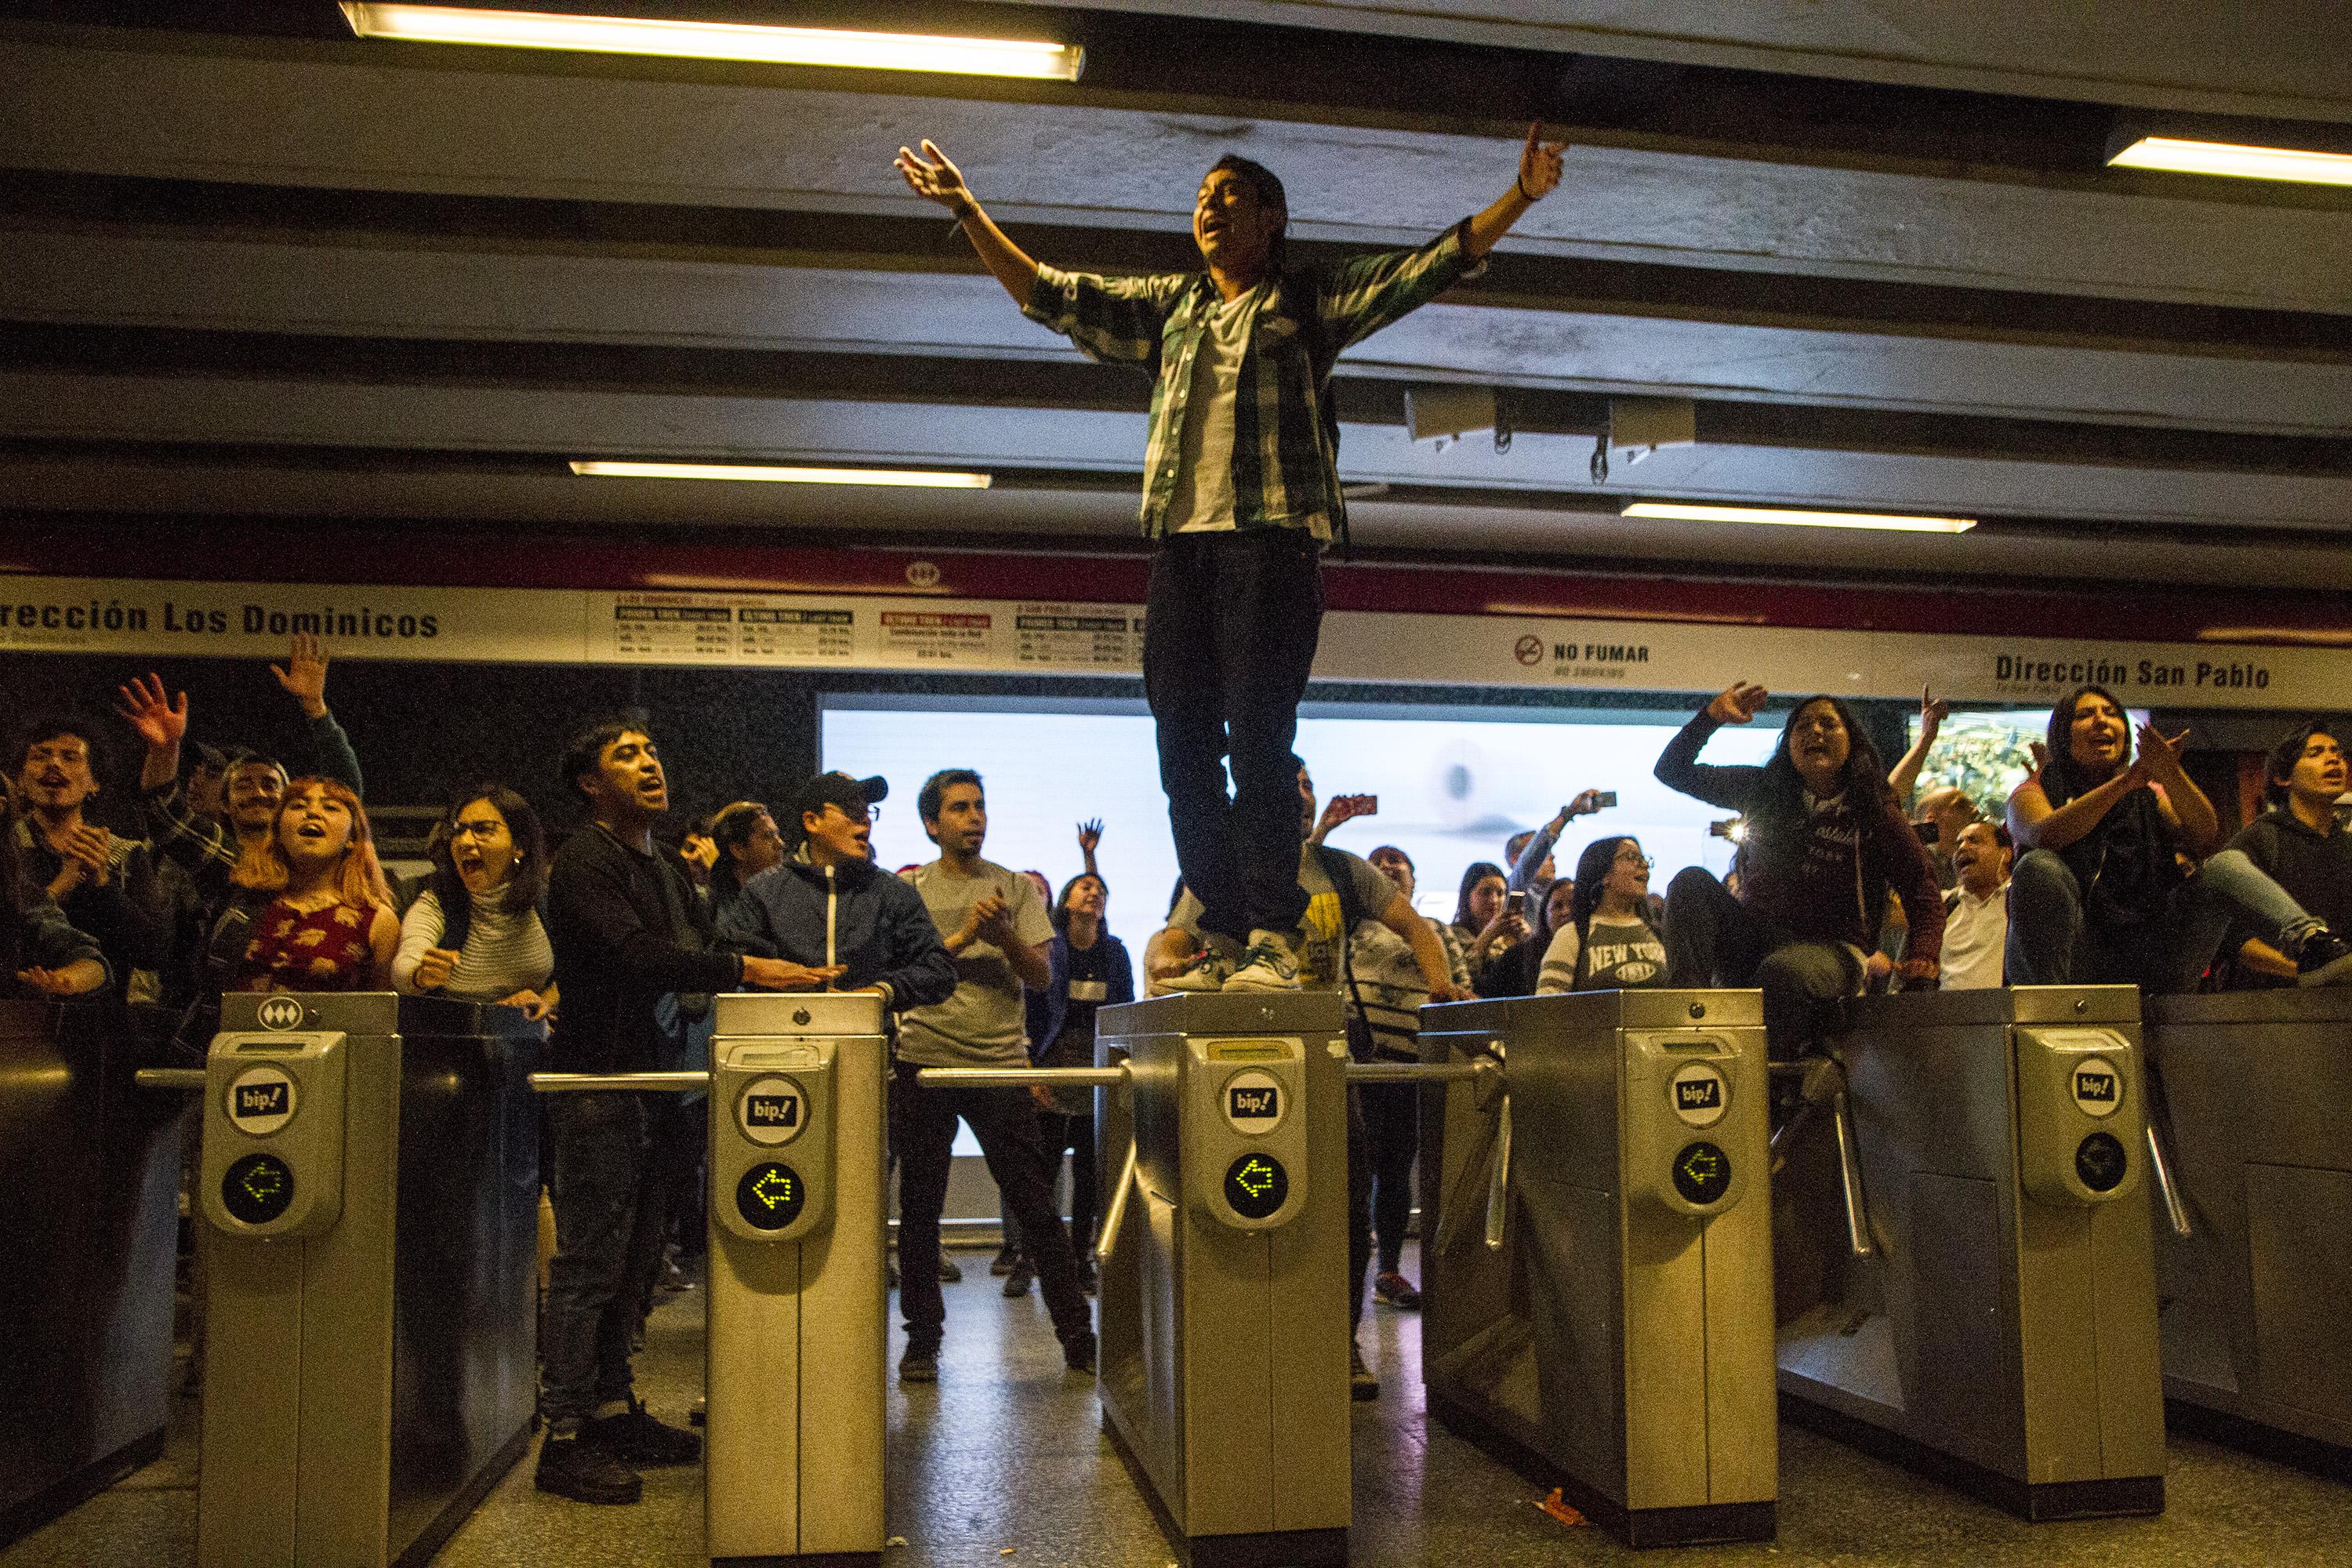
pixel 719 41
pixel 2244 163
pixel 1687 512
pixel 775 473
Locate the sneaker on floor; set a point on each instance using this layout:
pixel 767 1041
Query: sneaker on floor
pixel 636 1438
pixel 919 1366
pixel 1208 970
pixel 1005 1261
pixel 950 1272
pixel 1397 1291
pixel 2326 959
pixel 1362 1383
pixel 1078 1351
pixel 1016 1284
pixel 585 1471
pixel 1270 962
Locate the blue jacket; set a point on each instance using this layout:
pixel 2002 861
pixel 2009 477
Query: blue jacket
pixel 852 913
pixel 1050 1006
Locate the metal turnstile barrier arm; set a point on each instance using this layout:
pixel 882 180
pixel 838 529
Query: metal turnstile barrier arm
pixel 1487 1073
pixel 182 1079
pixel 684 1082
pixel 1823 1084
pixel 2175 1211
pixel 1115 1078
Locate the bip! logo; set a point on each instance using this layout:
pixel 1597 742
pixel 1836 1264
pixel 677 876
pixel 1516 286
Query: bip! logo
pixel 1253 1102
pixel 261 1101
pixel 2098 1087
pixel 772 1112
pixel 1699 1094
pixel 279 1012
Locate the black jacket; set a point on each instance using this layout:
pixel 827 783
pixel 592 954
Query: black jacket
pixel 619 950
pixel 853 913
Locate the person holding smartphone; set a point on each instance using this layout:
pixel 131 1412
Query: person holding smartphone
pixel 1532 864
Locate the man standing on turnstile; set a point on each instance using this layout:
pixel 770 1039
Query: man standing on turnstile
pixel 627 931
pixel 996 929
pixel 1340 891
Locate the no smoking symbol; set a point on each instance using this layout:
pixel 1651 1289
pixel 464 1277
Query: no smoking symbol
pixel 1529 650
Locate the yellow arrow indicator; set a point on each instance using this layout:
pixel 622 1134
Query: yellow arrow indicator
pixel 1257 1178
pixel 774 1189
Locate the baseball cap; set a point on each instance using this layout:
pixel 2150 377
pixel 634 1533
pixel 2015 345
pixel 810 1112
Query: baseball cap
pixel 853 796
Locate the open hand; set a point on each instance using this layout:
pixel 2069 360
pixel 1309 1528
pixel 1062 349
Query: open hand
pixel 781 974
pixel 2160 758
pixel 930 175
pixel 1736 703
pixel 304 676
pixel 1089 835
pixel 1539 164
pixel 82 858
pixel 161 723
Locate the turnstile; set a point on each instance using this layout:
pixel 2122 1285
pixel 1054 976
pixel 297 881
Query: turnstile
pixel 797 1321
pixel 1598 1250
pixel 89 1174
pixel 368 1373
pixel 1223 1366
pixel 2254 1252
pixel 1965 1270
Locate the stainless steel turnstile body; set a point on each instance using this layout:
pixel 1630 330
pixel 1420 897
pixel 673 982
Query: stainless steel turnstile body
pixel 367 1375
pixel 1597 1252
pixel 1224 1358
pixel 796 1354
pixel 2254 1088
pixel 795 1313
pixel 1984 1305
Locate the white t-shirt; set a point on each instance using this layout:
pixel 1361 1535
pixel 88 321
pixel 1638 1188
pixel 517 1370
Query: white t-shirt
pixel 1975 933
pixel 1202 501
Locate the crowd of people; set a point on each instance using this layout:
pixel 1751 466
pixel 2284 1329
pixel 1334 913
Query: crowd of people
pixel 249 875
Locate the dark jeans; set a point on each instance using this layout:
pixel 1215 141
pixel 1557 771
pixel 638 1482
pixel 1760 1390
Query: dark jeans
pixel 922 1130
pixel 1229 636
pixel 1074 1136
pixel 1713 939
pixel 1392 1128
pixel 608 1235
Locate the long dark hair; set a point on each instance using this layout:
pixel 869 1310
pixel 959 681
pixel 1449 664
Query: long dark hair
pixel 1060 915
pixel 1592 868
pixel 529 878
pixel 1777 813
pixel 2062 777
pixel 1478 872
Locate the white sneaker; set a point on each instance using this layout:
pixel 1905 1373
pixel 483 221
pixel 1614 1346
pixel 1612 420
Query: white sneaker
pixel 1271 964
pixel 1209 971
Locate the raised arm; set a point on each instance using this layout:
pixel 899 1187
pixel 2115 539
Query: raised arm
pixel 1679 768
pixel 931 175
pixel 1903 777
pixel 1540 170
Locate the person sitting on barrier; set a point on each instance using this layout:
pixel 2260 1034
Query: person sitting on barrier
pixel 1487 924
pixel 1530 853
pixel 748 842
pixel 2100 895
pixel 1824 840
pixel 1607 942
pixel 2300 843
pixel 1342 893
pixel 105 884
pixel 327 924
pixel 1386 989
pixel 1976 907
pixel 1089 969
pixel 629 936
pixel 996 928
pixel 475 932
pixel 41 953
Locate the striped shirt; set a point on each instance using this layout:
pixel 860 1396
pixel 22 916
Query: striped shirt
pixel 505 951
pixel 1285 471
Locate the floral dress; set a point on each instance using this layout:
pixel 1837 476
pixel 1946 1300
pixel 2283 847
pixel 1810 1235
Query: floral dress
pixel 318 949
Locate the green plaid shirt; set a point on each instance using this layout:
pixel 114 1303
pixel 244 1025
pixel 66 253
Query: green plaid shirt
pixel 1286 474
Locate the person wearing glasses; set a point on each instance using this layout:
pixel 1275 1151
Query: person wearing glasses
pixel 1607 942
pixel 475 932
